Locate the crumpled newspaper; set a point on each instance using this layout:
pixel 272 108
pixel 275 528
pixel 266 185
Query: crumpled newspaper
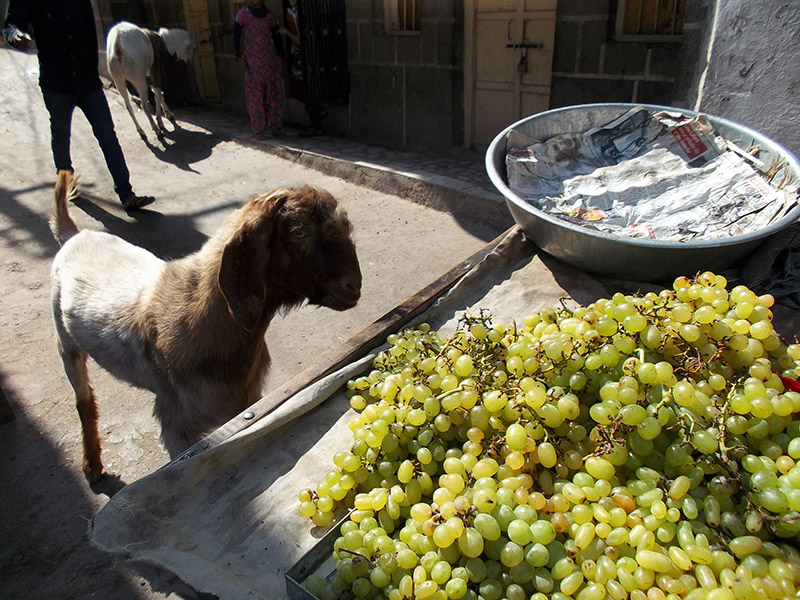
pixel 661 175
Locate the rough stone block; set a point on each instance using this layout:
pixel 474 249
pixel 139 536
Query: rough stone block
pixel 440 9
pixel 566 46
pixel 663 60
pixel 364 9
pixel 592 36
pixel 654 92
pixel 376 103
pixel 568 91
pixel 360 41
pixel 428 36
pixel 445 43
pixel 582 7
pixel 384 49
pixel 624 58
pixel 409 50
pixel 430 102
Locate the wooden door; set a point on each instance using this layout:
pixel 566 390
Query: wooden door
pixel 197 23
pixel 511 64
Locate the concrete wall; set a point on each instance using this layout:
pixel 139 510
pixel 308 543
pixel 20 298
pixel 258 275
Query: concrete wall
pixel 752 75
pixel 407 90
pixel 590 66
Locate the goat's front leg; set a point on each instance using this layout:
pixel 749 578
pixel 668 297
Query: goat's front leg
pixel 122 87
pixel 162 108
pixel 77 372
pixel 179 430
pixel 142 89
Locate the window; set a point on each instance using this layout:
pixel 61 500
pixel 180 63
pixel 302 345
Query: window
pixel 650 20
pixel 402 16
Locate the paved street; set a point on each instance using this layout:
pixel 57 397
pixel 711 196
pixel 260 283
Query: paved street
pixel 415 218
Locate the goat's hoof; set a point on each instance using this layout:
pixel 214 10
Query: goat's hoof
pixel 93 473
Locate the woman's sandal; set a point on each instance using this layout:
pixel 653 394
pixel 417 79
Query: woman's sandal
pixel 134 202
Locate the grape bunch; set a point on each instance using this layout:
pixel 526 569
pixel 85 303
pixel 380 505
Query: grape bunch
pixel 641 447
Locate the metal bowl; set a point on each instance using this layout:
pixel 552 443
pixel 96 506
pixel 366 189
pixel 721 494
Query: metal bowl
pixel 615 256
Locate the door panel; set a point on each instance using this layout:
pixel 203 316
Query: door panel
pixel 494 111
pixel 491 58
pixel 532 103
pixel 539 29
pixel 512 45
pixel 197 22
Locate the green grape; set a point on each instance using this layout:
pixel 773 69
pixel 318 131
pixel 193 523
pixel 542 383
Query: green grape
pixel 516 437
pixel 471 543
pixel 487 526
pixel 456 588
pixel 537 555
pixel 599 468
pixel 547 454
pixel 512 554
pixel 584 455
pixel 315 583
pixel 519 532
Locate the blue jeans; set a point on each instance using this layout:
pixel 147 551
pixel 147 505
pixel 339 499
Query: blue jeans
pixel 94 105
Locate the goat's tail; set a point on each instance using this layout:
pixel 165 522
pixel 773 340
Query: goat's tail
pixel 61 223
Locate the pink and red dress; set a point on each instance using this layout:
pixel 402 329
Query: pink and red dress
pixel 263 79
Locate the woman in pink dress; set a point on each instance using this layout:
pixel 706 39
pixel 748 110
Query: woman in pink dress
pixel 254 46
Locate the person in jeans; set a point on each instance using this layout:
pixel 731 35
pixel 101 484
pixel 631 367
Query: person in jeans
pixel 66 42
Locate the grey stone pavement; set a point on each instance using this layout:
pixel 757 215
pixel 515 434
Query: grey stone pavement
pixel 441 176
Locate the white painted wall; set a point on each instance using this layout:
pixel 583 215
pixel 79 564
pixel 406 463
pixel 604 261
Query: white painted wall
pixel 753 72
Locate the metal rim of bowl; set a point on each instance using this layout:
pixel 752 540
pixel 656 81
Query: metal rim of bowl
pixel 497 178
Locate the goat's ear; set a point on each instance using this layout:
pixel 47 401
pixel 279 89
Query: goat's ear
pixel 245 259
pixel 240 279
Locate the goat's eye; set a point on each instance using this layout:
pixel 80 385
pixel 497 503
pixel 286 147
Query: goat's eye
pixel 298 232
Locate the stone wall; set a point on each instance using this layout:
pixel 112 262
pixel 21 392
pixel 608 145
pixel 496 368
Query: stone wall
pixel 407 89
pixel 589 65
pixel 752 75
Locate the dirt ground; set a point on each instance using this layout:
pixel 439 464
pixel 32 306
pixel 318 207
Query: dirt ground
pixel 199 176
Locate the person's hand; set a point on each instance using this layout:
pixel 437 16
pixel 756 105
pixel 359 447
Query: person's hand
pixel 17 39
pixel 242 62
pixel 283 31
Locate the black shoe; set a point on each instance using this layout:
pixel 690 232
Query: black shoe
pixel 134 202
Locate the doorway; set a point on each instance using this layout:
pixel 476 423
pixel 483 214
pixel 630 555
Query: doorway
pixel 508 67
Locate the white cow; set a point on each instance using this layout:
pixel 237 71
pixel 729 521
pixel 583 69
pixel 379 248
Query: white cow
pixel 133 54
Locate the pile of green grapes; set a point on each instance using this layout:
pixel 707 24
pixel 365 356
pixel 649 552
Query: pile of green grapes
pixel 642 447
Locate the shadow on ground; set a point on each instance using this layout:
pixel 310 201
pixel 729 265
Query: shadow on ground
pixel 52 539
pixel 183 147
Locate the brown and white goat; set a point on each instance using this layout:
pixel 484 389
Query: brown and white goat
pixel 192 330
pixel 133 54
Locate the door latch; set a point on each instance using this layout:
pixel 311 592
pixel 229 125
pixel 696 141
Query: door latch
pixel 522 66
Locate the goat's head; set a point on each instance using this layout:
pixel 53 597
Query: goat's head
pixel 179 42
pixel 289 246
